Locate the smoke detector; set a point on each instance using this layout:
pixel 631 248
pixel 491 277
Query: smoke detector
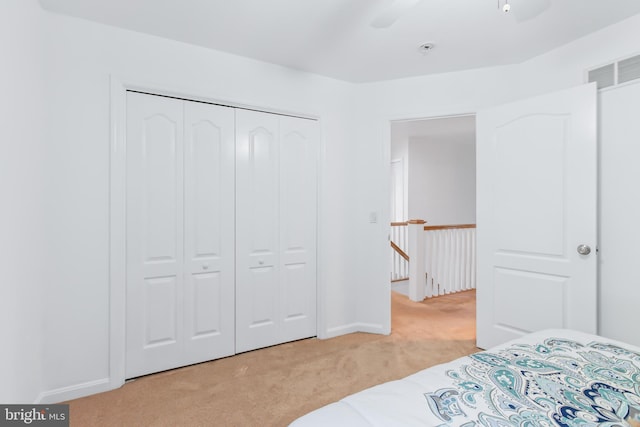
pixel 426 47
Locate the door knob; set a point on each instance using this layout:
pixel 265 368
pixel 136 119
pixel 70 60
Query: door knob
pixel 584 249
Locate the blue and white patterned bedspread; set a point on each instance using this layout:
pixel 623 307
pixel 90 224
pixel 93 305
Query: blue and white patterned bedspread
pixel 551 378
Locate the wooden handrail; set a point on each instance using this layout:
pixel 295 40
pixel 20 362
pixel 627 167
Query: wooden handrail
pixel 417 221
pixel 399 224
pixel 399 251
pixel 447 227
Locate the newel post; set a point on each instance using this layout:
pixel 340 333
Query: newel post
pixel 416 265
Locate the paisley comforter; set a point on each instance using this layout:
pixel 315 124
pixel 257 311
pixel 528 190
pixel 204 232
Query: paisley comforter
pixel 550 378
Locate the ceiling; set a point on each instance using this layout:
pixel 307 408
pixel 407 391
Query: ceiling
pixel 335 38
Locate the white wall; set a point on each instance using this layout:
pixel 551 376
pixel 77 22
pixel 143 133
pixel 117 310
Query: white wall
pixel 442 179
pixel 619 212
pixel 23 268
pixel 564 67
pixel 81 58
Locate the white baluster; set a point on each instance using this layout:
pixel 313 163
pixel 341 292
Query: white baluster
pixel 450 262
pixel 455 261
pixel 441 262
pixel 433 265
pixel 437 259
pixel 393 267
pixel 467 258
pixel 442 279
pixel 396 265
pixel 427 263
pixel 473 259
pixel 404 233
pixel 470 249
pixel 461 259
pixel 399 266
pixel 442 284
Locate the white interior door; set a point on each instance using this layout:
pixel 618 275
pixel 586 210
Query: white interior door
pixel 536 204
pixel 180 253
pixel 276 229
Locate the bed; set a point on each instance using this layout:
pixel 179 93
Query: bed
pixel 549 378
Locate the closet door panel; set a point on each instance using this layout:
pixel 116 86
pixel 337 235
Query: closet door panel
pixel 259 194
pixel 160 312
pixel 154 234
pixel 257 213
pixel 298 211
pixel 209 238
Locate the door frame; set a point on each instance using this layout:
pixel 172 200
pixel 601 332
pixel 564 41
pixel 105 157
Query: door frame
pixel 117 206
pixel 386 123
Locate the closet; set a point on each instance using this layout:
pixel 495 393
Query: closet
pixel 220 231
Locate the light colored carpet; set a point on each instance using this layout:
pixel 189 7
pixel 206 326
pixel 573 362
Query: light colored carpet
pixel 274 386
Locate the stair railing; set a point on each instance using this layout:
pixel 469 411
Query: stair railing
pixel 437 260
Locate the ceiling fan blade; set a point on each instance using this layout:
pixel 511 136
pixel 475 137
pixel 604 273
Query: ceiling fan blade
pixel 523 10
pixel 392 13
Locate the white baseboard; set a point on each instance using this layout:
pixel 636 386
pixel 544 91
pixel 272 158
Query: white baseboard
pixel 372 328
pixel 341 330
pixel 75 391
pixel 355 327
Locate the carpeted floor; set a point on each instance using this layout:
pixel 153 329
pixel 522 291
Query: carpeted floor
pixel 274 386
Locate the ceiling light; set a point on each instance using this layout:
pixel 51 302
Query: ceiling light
pixel 506 7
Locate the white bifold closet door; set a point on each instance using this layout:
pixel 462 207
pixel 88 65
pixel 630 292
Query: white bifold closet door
pixel 276 208
pixel 180 233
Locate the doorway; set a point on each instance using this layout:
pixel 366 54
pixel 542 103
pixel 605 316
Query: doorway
pixel 432 179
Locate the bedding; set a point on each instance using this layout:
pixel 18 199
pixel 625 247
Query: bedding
pixel 550 378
